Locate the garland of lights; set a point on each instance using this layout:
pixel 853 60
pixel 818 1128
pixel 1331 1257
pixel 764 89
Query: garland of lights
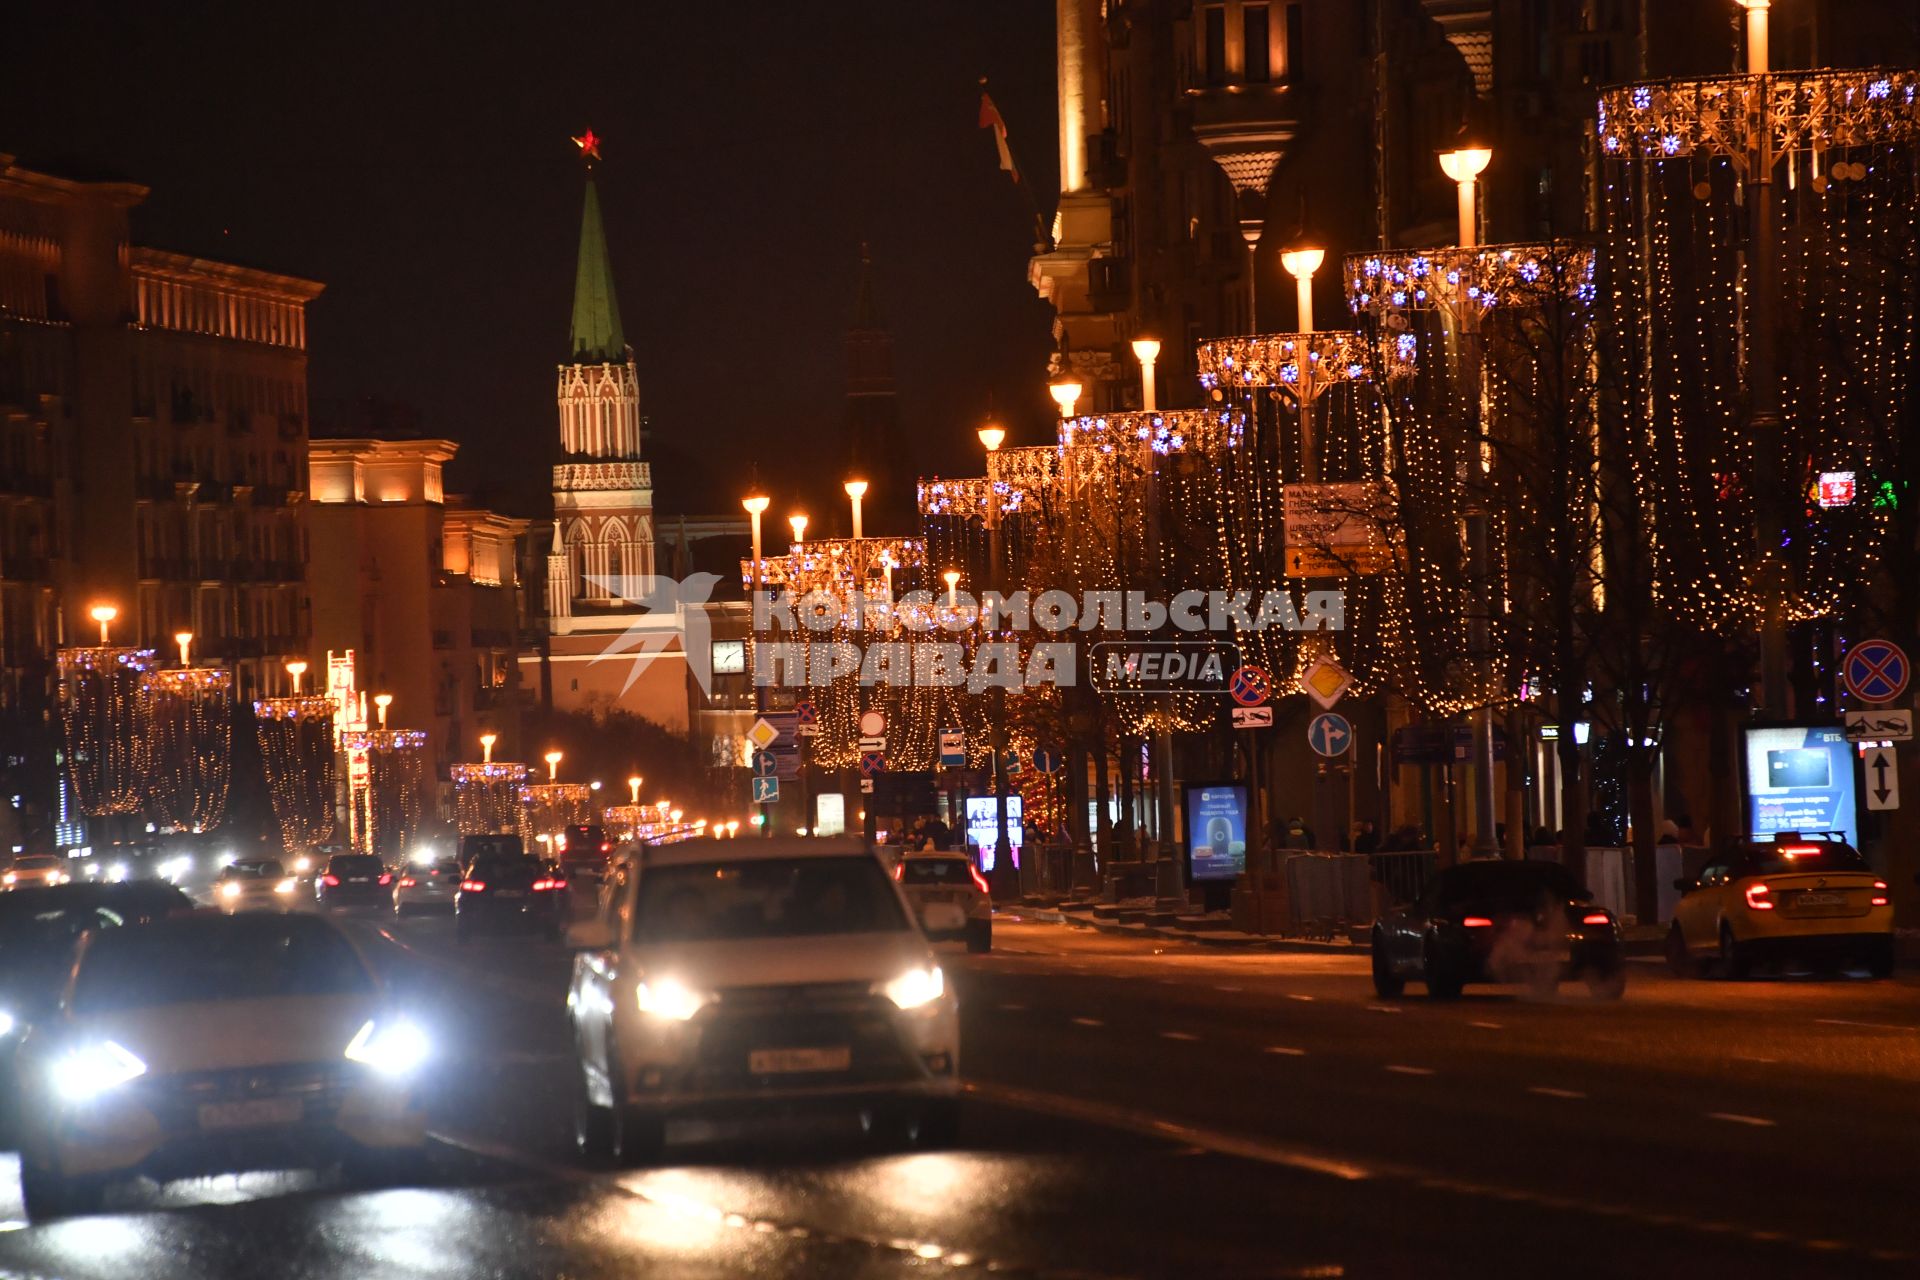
pixel 107 720
pixel 486 798
pixel 547 808
pixel 389 802
pixel 297 751
pixel 189 741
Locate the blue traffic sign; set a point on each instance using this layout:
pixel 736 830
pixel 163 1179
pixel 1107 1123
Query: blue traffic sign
pixel 766 790
pixel 805 712
pixel 872 764
pixel 1250 686
pixel 1875 671
pixel 1329 734
pixel 764 764
pixel 1046 761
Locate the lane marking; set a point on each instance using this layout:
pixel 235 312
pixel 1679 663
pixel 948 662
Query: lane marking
pixel 1286 1051
pixel 1741 1057
pixel 1487 1026
pixel 1401 1069
pixel 1382 1008
pixel 1872 1026
pixel 1548 1091
pixel 1734 1117
pixel 1088 1022
pixel 1178 1035
pixel 1230 989
pixel 1307 999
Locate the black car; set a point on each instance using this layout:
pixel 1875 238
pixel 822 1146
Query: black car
pixel 585 851
pixel 354 880
pixel 1496 920
pixel 509 890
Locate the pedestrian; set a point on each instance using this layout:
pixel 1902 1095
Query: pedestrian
pixel 1684 832
pixel 1669 832
pixel 1366 839
pixel 1298 834
pixel 940 834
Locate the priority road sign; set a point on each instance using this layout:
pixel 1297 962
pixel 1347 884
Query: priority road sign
pixel 1250 687
pixel 763 734
pixel 764 765
pixel 766 790
pixel 1882 771
pixel 1253 717
pixel 872 764
pixel 1875 671
pixel 1325 681
pixel 1330 735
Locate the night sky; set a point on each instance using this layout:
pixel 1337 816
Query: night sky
pixel 415 158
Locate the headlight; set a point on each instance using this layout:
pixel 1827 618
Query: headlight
pixel 917 987
pixel 11 877
pixel 395 1048
pixel 7 1024
pixel 231 889
pixel 118 872
pixel 88 1072
pixel 669 999
pixel 285 886
pixel 303 865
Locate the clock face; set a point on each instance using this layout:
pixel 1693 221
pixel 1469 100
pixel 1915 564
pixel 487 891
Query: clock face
pixel 729 657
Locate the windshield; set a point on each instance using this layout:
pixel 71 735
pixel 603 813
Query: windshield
pixel 503 865
pixel 1777 859
pixel 1516 884
pixel 195 958
pixel 355 864
pixel 770 898
pixel 480 846
pixel 266 869
pixel 934 871
pixel 36 863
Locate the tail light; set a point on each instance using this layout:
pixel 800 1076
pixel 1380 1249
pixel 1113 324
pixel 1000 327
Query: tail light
pixel 545 883
pixel 473 886
pixel 1477 922
pixel 406 882
pixel 387 878
pixel 1879 893
pixel 979 881
pixel 330 880
pixel 1759 898
pixel 899 871
pixel 1798 850
pixel 606 846
pixel 1596 917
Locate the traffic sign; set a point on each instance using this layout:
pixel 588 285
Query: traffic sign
pixel 1330 734
pixel 873 744
pixel 1325 681
pixel 1253 717
pixel 766 790
pixel 763 734
pixel 953 748
pixel 872 764
pixel 1250 687
pixel 1010 763
pixel 764 765
pixel 872 723
pixel 1875 671
pixel 866 786
pixel 1882 770
pixel 806 720
pixel 1882 724
pixel 1046 761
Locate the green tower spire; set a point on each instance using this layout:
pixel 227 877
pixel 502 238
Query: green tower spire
pixel 596 337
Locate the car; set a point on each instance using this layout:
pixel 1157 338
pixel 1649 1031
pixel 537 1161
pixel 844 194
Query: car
pixel 211 1044
pixel 733 977
pixel 927 878
pixel 510 891
pixel 36 869
pixel 1498 920
pixel 354 880
pixel 254 884
pixel 429 888
pixel 585 852
pixel 1789 898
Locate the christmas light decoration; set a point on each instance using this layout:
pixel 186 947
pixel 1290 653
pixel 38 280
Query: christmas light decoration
pixel 486 797
pixel 189 744
pixel 296 737
pixel 107 721
pixel 390 800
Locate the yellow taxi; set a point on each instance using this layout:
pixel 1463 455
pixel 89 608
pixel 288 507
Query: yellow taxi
pixel 1792 898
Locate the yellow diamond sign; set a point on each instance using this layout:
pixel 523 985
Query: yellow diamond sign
pixel 763 734
pixel 1325 681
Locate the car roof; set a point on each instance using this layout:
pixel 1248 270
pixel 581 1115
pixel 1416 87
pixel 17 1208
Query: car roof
pixel 747 849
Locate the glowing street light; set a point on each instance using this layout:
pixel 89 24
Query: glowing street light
pixel 799 524
pixel 486 747
pixel 1146 351
pixel 295 670
pixel 856 490
pixel 553 759
pixel 1301 264
pixel 104 614
pixel 1064 392
pixel 1756 35
pixel 185 640
pixel 992 436
pixel 1465 165
pixel 381 702
pixel 633 787
pixel 953 588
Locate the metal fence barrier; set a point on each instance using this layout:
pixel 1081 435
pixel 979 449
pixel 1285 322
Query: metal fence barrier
pixel 1328 892
pixel 1403 876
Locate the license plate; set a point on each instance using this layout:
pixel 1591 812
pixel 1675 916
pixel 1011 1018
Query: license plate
pixel 359 879
pixel 250 1114
pixel 510 893
pixel 1822 900
pixel 767 1062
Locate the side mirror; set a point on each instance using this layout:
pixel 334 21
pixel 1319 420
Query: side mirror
pixel 1683 884
pixel 943 917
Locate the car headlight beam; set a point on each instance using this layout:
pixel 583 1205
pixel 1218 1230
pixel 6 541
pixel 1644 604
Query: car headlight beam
pixel 392 1048
pixel 917 987
pixel 668 999
pixel 95 1069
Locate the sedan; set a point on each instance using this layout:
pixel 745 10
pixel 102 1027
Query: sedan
pixel 511 891
pixel 430 888
pixel 354 880
pixel 212 1044
pixel 254 884
pixel 929 878
pixel 1499 921
pixel 37 869
pixel 1784 899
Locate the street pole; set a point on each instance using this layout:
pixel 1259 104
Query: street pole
pixel 756 505
pixel 1003 878
pixel 1763 384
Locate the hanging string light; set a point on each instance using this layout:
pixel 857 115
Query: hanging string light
pixel 486 797
pixel 107 722
pixel 387 812
pixel 189 744
pixel 296 738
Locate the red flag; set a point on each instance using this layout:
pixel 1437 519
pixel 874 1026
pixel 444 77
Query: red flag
pixel 990 119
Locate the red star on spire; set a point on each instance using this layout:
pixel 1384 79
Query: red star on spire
pixel 589 144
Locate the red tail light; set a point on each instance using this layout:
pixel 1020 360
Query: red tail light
pixel 406 882
pixel 606 846
pixel 1596 917
pixel 899 871
pixel 1798 850
pixel 473 886
pixel 545 883
pixel 1477 922
pixel 979 881
pixel 1879 893
pixel 330 881
pixel 386 878
pixel 1759 898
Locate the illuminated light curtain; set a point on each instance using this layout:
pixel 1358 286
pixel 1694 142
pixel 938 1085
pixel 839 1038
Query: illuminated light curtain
pixel 391 808
pixel 486 798
pixel 297 750
pixel 106 720
pixel 547 808
pixel 189 744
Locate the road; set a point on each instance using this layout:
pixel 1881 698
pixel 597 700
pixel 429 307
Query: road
pixel 1136 1109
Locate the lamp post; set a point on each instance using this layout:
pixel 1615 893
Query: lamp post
pixel 104 614
pixel 1756 35
pixel 633 787
pixel 756 505
pixel 1301 264
pixel 952 578
pixel 992 436
pixel 185 640
pixel 295 670
pixel 856 490
pixel 553 759
pixel 381 701
pixel 1146 351
pixel 486 747
pixel 799 524
pixel 1065 393
pixel 1465 164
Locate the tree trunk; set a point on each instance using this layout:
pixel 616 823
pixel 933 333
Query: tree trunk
pixel 1646 899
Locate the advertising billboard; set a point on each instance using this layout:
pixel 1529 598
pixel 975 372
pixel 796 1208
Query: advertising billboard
pixel 983 827
pixel 1216 831
pixel 1800 779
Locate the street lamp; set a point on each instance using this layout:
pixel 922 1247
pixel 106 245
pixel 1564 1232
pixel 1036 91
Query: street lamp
pixel 992 436
pixel 856 490
pixel 799 523
pixel 1464 165
pixel 1301 264
pixel 1146 351
pixel 553 759
pixel 185 640
pixel 104 614
pixel 381 702
pixel 486 747
pixel 633 787
pixel 952 577
pixel 1064 392
pixel 1756 35
pixel 296 669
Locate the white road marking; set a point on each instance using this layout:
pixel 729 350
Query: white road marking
pixel 1178 1035
pixel 1402 1070
pixel 1741 1057
pixel 1548 1091
pixel 1872 1026
pixel 1088 1022
pixel 1734 1117
pixel 1306 998
pixel 1286 1051
pixel 1487 1026
pixel 1382 1008
pixel 1229 988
